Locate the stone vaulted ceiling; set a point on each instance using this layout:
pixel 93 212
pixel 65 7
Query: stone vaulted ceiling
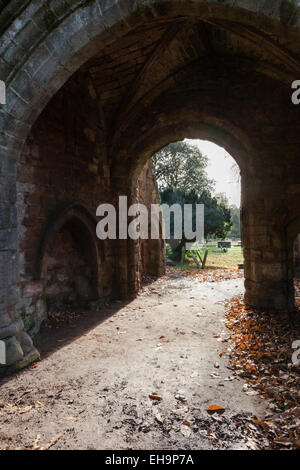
pixel 134 72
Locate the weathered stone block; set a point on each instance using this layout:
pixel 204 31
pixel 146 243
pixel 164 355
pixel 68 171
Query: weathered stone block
pixel 14 329
pixel 25 342
pixel 29 358
pixel 14 352
pixel 33 290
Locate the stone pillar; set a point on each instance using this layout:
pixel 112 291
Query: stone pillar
pixel 268 284
pixel 153 261
pixel 126 250
pixel 18 345
pixel 269 279
pixel 153 257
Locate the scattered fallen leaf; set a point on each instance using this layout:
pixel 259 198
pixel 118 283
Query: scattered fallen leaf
pixel 25 409
pixel 260 353
pixel 39 405
pixel 180 398
pixel 154 396
pixel 159 418
pixel 260 423
pixel 69 418
pixel 181 411
pixel 215 408
pixel 52 442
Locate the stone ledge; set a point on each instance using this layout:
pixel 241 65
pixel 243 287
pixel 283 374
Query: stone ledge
pixel 28 359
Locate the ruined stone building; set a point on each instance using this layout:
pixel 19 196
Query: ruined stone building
pixel 93 89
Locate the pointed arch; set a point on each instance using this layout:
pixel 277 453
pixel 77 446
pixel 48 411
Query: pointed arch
pixel 82 225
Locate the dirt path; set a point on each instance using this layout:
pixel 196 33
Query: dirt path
pixel 91 389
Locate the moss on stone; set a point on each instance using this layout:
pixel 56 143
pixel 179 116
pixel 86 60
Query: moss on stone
pixel 28 320
pixel 32 356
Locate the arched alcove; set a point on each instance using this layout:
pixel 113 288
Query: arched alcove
pixel 67 267
pixel 69 261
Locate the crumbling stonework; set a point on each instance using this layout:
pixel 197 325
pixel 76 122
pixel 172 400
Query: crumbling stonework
pixel 297 257
pixel 95 88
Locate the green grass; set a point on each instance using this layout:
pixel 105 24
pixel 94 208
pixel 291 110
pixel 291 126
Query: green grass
pixel 216 259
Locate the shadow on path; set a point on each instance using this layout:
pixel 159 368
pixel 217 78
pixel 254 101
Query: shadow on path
pixel 51 339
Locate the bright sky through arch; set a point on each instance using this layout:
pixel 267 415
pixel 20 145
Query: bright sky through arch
pixel 222 168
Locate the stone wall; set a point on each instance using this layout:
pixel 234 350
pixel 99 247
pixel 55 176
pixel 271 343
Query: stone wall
pixel 297 257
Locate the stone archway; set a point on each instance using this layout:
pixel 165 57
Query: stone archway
pixel 156 72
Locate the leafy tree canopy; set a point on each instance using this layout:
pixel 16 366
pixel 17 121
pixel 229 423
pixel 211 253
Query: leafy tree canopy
pixel 217 214
pixel 236 222
pixel 181 167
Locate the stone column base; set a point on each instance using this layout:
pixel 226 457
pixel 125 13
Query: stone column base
pixel 19 348
pixel 277 297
